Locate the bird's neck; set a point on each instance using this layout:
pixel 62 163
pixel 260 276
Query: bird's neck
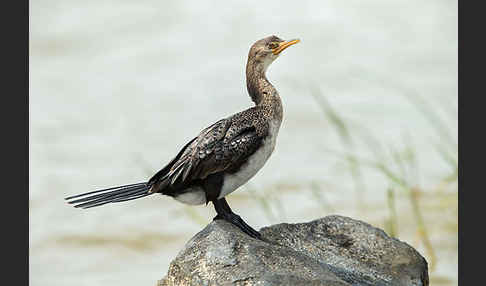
pixel 261 91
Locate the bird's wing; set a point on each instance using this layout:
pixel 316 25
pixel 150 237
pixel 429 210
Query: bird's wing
pixel 225 145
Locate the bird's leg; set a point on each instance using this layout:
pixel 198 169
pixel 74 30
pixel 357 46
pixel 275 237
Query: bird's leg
pixel 224 212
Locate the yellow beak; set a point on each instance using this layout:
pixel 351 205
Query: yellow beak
pixel 283 45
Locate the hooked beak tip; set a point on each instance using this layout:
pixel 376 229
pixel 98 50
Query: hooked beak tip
pixel 284 45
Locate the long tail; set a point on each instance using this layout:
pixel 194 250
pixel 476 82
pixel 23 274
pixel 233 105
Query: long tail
pixel 110 195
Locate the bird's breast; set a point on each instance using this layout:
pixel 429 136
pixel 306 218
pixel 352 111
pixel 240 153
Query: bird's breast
pixel 253 164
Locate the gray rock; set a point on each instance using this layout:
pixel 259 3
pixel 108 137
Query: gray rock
pixel 333 250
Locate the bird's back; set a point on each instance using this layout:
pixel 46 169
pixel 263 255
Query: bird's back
pixel 232 149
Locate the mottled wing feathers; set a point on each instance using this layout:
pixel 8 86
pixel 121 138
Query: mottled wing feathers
pixel 223 146
pixel 202 149
pixel 164 170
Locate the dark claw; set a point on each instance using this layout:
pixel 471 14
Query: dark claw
pixel 224 212
pixel 237 221
pixel 248 229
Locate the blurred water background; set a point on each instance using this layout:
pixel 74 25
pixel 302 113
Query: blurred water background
pixel 117 87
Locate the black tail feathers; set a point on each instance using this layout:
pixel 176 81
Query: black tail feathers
pixel 110 195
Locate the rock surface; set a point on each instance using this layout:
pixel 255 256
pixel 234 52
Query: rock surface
pixel 333 250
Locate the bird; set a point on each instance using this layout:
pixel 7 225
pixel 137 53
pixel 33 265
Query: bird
pixel 223 156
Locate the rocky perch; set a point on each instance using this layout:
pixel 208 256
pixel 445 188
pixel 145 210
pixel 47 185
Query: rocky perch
pixel 333 250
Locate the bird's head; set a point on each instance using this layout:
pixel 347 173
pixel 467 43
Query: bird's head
pixel 263 52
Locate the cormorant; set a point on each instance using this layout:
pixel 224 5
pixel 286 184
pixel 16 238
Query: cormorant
pixel 223 156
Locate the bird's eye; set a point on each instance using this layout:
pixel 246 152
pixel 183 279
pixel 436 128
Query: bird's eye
pixel 273 45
